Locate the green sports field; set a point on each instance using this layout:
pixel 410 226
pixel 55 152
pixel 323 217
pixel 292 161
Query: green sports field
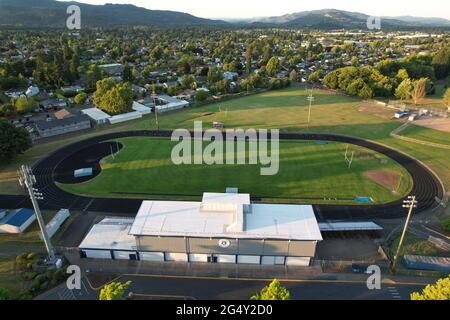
pixel 308 172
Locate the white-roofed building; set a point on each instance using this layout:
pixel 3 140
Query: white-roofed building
pixel 225 228
pixel 96 115
pixel 141 108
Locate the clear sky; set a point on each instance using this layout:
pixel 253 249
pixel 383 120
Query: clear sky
pixel 263 8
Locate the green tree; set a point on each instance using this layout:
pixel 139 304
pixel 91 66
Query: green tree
pixel 403 91
pixel 446 97
pixel 80 98
pixel 25 104
pixel 438 291
pixel 201 95
pixel 273 66
pixel 441 63
pixel 315 76
pixel 293 76
pixel 114 291
pixel 4 294
pixel 273 291
pixel 7 110
pixel 112 97
pixel 13 141
pixel 419 90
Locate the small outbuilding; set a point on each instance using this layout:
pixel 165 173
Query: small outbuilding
pixel 17 221
pixel 125 117
pixel 96 115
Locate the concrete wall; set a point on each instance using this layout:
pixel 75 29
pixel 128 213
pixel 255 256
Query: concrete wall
pixel 237 247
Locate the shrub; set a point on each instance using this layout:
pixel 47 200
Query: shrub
pixel 28 275
pixel 25 295
pixel 446 224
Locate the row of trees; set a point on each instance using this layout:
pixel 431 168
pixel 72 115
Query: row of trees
pixel 411 77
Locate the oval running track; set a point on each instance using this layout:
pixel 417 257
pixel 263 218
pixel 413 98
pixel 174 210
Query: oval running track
pixel 426 186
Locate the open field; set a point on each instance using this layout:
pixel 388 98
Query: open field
pixel 427 134
pixel 306 170
pixel 286 109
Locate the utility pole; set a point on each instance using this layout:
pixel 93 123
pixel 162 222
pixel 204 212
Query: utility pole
pixel 410 204
pixel 156 109
pixel 28 180
pixel 311 99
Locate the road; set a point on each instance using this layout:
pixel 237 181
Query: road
pixel 176 288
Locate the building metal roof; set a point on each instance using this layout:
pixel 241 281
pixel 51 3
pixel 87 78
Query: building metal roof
pixel 349 226
pixel 226 216
pixel 48 125
pixel 96 114
pixel 19 217
pixel 110 234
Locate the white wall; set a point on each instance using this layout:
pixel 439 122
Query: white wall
pixel 122 255
pixel 177 257
pixel 298 261
pixel 249 259
pixel 151 256
pixel 223 258
pixel 198 258
pixel 272 260
pixel 98 254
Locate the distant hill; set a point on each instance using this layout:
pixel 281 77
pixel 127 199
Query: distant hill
pixel 52 14
pixel 338 19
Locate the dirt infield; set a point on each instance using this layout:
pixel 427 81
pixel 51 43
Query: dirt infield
pixel 441 124
pixel 385 178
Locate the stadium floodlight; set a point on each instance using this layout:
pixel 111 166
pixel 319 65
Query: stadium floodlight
pixel 28 180
pixel 409 204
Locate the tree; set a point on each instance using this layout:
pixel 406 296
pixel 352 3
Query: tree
pixel 7 110
pixel 80 98
pixel 4 294
pixel 419 90
pixel 293 76
pixel 24 104
pixel 273 66
pixel 114 291
pixel 315 76
pixel 13 141
pixel 112 97
pixel 201 95
pixel 438 291
pixel 403 91
pixel 441 63
pixel 273 291
pixel 446 97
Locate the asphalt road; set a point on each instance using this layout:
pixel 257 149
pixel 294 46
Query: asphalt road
pixel 231 289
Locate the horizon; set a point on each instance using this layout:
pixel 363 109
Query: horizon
pixel 267 8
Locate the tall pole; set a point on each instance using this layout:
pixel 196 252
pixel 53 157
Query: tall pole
pixel 310 99
pixel 411 203
pixel 28 180
pixel 156 110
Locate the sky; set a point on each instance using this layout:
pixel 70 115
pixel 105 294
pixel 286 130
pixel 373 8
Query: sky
pixel 235 9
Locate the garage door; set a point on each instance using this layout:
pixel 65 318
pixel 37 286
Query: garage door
pixel 177 257
pixel 198 258
pixel 298 261
pixel 98 254
pixel 272 260
pixel 249 259
pixel 222 258
pixel 151 256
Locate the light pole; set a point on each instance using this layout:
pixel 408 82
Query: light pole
pixel 156 110
pixel 28 180
pixel 410 204
pixel 311 99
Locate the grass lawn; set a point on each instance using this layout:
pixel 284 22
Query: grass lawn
pixel 285 109
pixel 414 245
pixel 426 134
pixel 306 169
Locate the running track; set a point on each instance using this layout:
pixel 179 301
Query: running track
pixel 426 186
